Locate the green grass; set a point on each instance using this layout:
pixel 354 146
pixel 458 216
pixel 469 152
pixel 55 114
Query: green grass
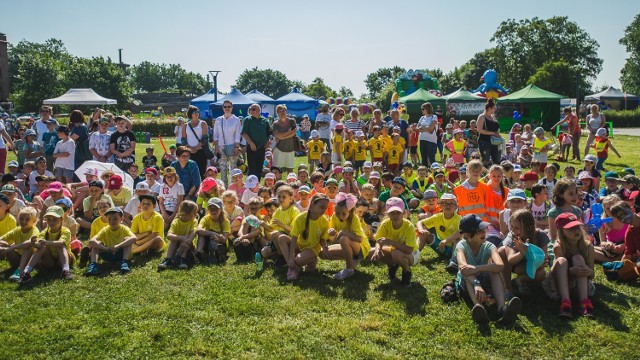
pixel 231 311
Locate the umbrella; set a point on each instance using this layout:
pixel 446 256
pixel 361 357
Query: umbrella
pixel 102 167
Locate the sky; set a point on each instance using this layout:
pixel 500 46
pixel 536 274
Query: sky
pixel 339 41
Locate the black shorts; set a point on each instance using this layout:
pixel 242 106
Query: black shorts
pixel 359 164
pixel 413 149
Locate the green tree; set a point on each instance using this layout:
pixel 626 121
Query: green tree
pixel 377 80
pixel 468 75
pixel 147 77
pixel 630 73
pixel 102 75
pixel 557 77
pixel 270 82
pixel 318 89
pixel 522 47
pixel 150 77
pixel 344 92
pixel 383 100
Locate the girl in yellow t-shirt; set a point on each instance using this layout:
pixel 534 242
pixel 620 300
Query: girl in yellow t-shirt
pixel 281 221
pixel 349 147
pixel 16 246
pixel 213 231
pixel 337 144
pixel 181 234
pixel 350 241
pixel 308 237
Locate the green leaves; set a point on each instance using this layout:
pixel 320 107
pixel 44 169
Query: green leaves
pixel 272 83
pixel 630 73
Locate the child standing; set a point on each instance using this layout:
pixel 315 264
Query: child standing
pixel 150 160
pixel 394 155
pixel 337 144
pixel 112 243
pixel 457 146
pixel 602 146
pixel 413 143
pixel 315 147
pixel 181 235
pixel 541 146
pixel 360 156
pixel 64 153
pixel 376 146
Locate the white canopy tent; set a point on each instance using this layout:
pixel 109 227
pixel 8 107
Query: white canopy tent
pixel 80 97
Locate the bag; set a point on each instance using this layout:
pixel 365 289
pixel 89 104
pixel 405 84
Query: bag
pixel 448 293
pixel 624 270
pixel 217 253
pixel 205 144
pixel 496 140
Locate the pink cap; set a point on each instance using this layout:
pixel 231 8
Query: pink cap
pixel 208 184
pixel 339 127
pixel 395 204
pixel 337 170
pixel 55 186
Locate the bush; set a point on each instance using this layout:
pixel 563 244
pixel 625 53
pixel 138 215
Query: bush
pixel 155 127
pixel 623 118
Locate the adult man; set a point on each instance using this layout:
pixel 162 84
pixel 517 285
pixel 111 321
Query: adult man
pixel 256 131
pixel 40 126
pixel 226 138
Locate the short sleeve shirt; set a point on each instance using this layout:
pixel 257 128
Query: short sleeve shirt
pixel 406 234
pixel 110 237
pixel 155 224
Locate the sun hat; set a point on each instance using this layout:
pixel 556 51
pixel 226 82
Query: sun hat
pixel 585 175
pixel 252 182
pixel 367 164
pixel 430 194
pixel 55 211
pixel 516 194
pixel 394 204
pixel 315 133
pixel 374 175
pixel 8 188
pixel 471 223
pixel 567 220
pixel 447 196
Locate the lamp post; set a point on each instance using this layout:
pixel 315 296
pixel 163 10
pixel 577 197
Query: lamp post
pixel 214 74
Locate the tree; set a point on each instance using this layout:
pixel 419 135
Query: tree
pixel 102 75
pixel 150 77
pixel 344 92
pixel 557 77
pixel 522 47
pixel 630 73
pixel 377 80
pixel 318 89
pixel 383 101
pixel 270 82
pixel 468 75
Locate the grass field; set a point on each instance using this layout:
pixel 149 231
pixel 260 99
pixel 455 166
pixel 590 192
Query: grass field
pixel 232 311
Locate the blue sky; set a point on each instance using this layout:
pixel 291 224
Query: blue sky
pixel 340 41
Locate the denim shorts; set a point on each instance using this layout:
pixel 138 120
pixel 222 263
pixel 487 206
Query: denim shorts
pixel 113 257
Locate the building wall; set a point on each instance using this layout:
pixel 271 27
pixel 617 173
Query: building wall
pixel 4 69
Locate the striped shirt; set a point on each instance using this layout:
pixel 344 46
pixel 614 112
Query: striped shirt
pixel 353 125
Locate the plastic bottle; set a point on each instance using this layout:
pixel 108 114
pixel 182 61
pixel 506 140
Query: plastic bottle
pixel 259 262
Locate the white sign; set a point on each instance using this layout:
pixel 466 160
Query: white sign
pixel 467 108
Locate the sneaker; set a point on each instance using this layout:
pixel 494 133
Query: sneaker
pixel 92 269
pixel 124 267
pixel 67 275
pixel 406 278
pixel 200 256
pixel 84 256
pixel 183 264
pixel 479 314
pixel 16 275
pixel 393 269
pixel 24 279
pixel 165 264
pixel 343 274
pixel 510 311
pixel 523 288
pixel 292 273
pixel 565 309
pixel 587 308
pixel 452 268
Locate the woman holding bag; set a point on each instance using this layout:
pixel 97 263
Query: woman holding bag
pixel 195 134
pixel 284 130
pixel 487 127
pixel 226 139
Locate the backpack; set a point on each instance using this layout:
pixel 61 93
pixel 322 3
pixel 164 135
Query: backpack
pixel 625 270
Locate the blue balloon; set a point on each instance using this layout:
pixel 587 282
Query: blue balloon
pixel 516 114
pixel 519 117
pixel 395 105
pixel 597 220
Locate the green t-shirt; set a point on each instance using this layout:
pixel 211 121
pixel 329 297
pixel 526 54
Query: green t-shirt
pixel 257 129
pixel 385 195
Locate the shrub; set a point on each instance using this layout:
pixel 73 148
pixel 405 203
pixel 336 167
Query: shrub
pixel 623 118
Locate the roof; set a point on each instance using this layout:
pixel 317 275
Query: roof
pixel 611 93
pixel 236 98
pixel 295 96
pixel 80 97
pixel 462 95
pixel 259 97
pixel 420 95
pixel 531 93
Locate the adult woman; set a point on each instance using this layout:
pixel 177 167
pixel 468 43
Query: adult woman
pixel 80 135
pixel 487 127
pixel 194 135
pixel 284 130
pixel 188 172
pixel 377 120
pixel 574 130
pixel 338 115
pixel 595 121
pixel 354 124
pixel 226 139
pixel 256 131
pixel 427 129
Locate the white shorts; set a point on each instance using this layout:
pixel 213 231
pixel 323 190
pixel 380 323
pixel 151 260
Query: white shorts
pixel 416 257
pixel 284 159
pixel 334 159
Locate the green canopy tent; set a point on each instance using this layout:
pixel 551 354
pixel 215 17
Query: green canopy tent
pixel 536 106
pixel 464 103
pixel 415 100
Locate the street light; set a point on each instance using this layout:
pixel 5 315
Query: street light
pixel 214 74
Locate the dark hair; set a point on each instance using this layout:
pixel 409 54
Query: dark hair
pixel 181 149
pixel 316 176
pixel 277 185
pixel 77 117
pixel 561 186
pixel 317 197
pixel 362 202
pixel 387 176
pixel 567 109
pixel 537 189
pixel 192 109
pixel 490 104
pixel 64 129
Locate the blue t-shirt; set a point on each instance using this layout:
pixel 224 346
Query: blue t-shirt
pixel 50 139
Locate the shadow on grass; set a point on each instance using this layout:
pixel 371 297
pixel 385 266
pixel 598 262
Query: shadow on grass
pixel 434 263
pixel 356 287
pixel 414 298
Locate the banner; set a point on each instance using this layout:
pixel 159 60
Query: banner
pixel 466 108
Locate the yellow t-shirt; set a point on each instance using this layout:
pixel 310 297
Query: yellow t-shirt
pixel 349 149
pixel 315 148
pixel 354 227
pixel 286 216
pixel 7 224
pixel 444 227
pixel 402 142
pixel 539 144
pixel 122 198
pixel 110 237
pixel 395 152
pixel 337 139
pixel 377 147
pixel 361 150
pixel 386 141
pixel 181 228
pixel 17 236
pixel 209 224
pixel 316 231
pixel 64 235
pixel 405 235
pixel 154 224
pixel 96 226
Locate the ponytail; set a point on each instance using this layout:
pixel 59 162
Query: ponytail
pixel 317 197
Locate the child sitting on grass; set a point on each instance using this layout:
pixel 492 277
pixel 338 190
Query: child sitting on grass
pixel 250 237
pixel 281 222
pixel 181 235
pixel 112 244
pixel 16 245
pixel 232 211
pixel 446 225
pixel 53 247
pixel 213 233
pixel 148 227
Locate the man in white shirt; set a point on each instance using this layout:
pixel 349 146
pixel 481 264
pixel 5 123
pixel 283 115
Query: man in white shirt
pixel 227 131
pixel 40 126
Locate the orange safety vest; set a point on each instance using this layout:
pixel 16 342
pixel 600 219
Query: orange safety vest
pixel 471 201
pixel 494 203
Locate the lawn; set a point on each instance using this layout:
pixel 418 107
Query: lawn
pixel 232 311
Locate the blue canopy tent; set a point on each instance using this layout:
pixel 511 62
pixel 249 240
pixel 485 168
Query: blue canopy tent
pixel 203 102
pixel 268 104
pixel 240 103
pixel 299 104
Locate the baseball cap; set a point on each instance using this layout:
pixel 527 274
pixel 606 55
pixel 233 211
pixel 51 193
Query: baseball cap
pixel 55 186
pixel 567 220
pixel 8 188
pixel 471 223
pixel 97 183
pixel 590 158
pixel 516 194
pixel 208 184
pixel 115 182
pixel 180 118
pixel 374 175
pixel 399 180
pixel 236 172
pixel 585 175
pixel 629 170
pixel 394 204
pixel 30 132
pixel 611 175
pixel 529 176
pixel 215 202
pixel 447 196
pixel 377 164
pixel 4 198
pixel 114 210
pixel 347 169
pixel 430 194
pixel 517 168
pixel 142 185
pixel 169 170
pixel 601 131
pixel 252 181
pixel 55 211
pixel 539 130
pixel 359 133
pixel 435 166
pixel 339 127
pixel 151 170
pixel 407 164
pixel 331 181
pixel 272 201
pixel 631 179
pixel 438 173
pixel 457 131
pixel 13 163
pixel 270 176
pixel 65 202
pixel 292 176
pixel 106 120
pixel 337 170
pixel 305 116
pixel 304 189
pixel 463 169
pixel 90 171
pixel 315 133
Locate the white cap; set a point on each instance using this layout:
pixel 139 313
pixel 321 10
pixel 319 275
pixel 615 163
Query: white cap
pixel 601 131
pixel 449 196
pixel 252 182
pixel 292 176
pixel 236 172
pixel 270 176
pixel 367 164
pixel 359 133
pixel 142 185
pixel 315 133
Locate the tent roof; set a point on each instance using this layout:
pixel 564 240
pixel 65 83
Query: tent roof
pixel 531 93
pixel 236 98
pixel 462 95
pixel 209 97
pixel 420 95
pixel 611 93
pixel 259 97
pixel 295 96
pixel 80 97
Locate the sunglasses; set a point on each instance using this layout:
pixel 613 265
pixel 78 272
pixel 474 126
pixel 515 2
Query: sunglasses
pixel 227 107
pixel 448 204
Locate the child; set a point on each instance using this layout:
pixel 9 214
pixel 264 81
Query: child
pixel 16 245
pixel 119 193
pixel 477 272
pixel 101 221
pixel 569 172
pixel 472 139
pixel 49 141
pixel 208 189
pixel 563 198
pixel 350 241
pixel 572 268
pixel 150 160
pixel 90 204
pixel 528 179
pixel 413 143
pixel 395 154
pixel 602 145
pixel 308 237
pixel 431 206
pixel 112 243
pixel 269 182
pixel 386 142
pixel 589 162
pixel 566 140
pixel 32 149
pixel 181 235
pixel 178 130
pixel 64 153
pixel 7 220
pixel 281 222
pixel 232 211
pixel 360 155
pixel 376 145
pixel 252 186
pixel 53 247
pixel 611 235
pixel 549 179
pixel 440 184
pixel 315 147
pixel 169 158
pixel 541 146
pixel 213 233
pixel 515 129
pixel 446 225
pixel 148 227
pixel 349 150
pixel 516 200
pixel 250 237
pixel 396 244
pixel 539 205
pixel 513 251
pixel 337 144
pixel 611 180
pixel 420 183
pixel 305 194
pixel 495 198
pixel 171 195
pixel 457 146
pixel 471 192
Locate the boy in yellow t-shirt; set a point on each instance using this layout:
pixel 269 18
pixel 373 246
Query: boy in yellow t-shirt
pixel 148 226
pixel 315 148
pixel 337 144
pixel 446 224
pixel 349 147
pixel 112 243
pixel 16 245
pixel 360 153
pixel 101 221
pixel 181 235
pixel 394 155
pixel 376 145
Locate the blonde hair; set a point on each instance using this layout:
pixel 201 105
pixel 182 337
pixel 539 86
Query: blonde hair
pixel 229 194
pixel 474 165
pixel 582 247
pixel 527 223
pixel 31 211
pixel 286 189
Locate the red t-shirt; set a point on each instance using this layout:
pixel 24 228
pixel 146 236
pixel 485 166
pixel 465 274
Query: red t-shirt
pixel 632 242
pixel 573 124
